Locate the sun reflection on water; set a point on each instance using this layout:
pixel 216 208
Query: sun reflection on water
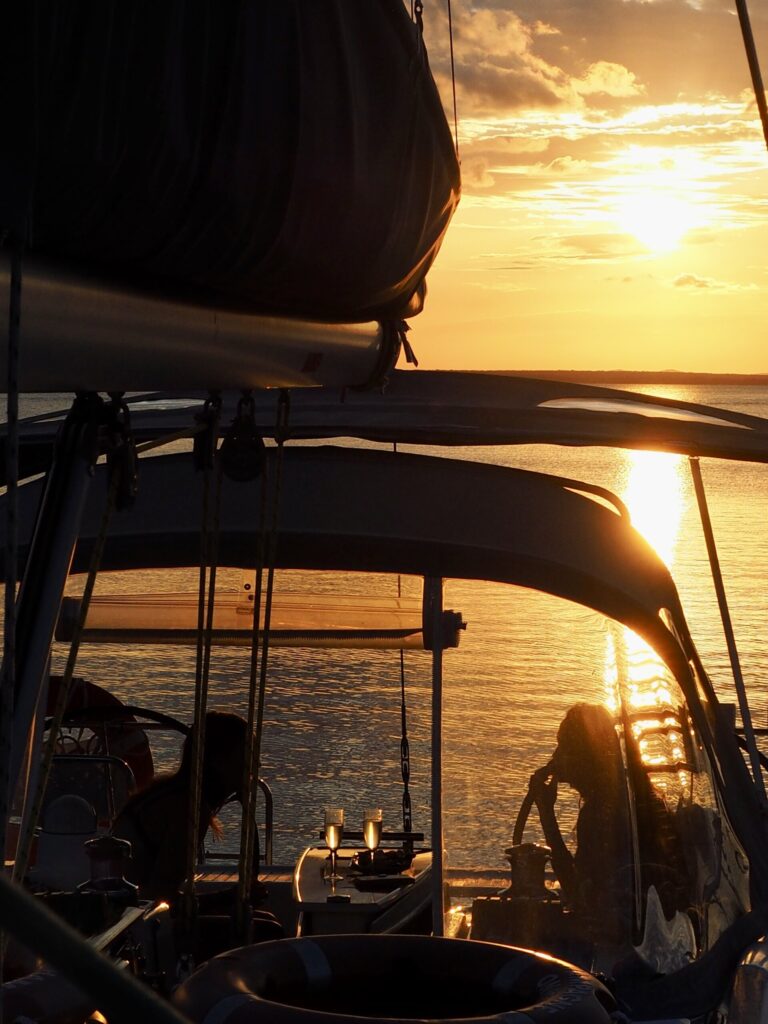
pixel 638 684
pixel 654 494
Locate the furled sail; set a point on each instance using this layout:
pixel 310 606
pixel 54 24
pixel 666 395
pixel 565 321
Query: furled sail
pixel 287 159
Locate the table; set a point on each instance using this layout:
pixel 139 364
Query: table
pixel 357 909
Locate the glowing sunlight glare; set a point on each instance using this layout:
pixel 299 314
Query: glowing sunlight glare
pixel 657 220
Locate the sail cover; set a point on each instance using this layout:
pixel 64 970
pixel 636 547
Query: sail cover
pixel 287 158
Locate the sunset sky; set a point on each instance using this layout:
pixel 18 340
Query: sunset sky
pixel 615 189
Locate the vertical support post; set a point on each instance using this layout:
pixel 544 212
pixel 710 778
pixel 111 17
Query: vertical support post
pixel 48 562
pixel 754 64
pixel 433 596
pixel 8 672
pixel 730 639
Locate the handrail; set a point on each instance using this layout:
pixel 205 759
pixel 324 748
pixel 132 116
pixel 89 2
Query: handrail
pixel 268 818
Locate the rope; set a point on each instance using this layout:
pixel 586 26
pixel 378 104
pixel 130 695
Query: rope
pixel 205 454
pixel 247 827
pixel 453 82
pixel 254 762
pixel 25 843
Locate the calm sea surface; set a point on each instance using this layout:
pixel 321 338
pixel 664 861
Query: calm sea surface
pixel 333 718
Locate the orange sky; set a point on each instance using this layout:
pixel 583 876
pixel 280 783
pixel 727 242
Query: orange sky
pixel 615 189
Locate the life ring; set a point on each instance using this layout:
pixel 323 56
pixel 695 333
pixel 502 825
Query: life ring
pixel 379 979
pixel 129 744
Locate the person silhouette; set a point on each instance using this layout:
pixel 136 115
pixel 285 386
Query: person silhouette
pixel 587 758
pixel 155 820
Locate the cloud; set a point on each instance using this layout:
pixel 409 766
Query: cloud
pixel 608 79
pixel 497 67
pixel 568 53
pixel 499 261
pixel 694 283
pixel 566 165
pixel 568 107
pixel 597 246
pixel 675 48
pixel 541 28
pixel 475 176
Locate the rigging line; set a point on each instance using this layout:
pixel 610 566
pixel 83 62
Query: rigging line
pixel 247 824
pixel 270 553
pixel 725 616
pixel 405 753
pixel 405 757
pixel 198 733
pixel 754 64
pixel 206 591
pixel 453 82
pixel 25 844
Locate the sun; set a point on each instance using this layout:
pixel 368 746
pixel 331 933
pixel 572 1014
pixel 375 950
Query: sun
pixel 658 221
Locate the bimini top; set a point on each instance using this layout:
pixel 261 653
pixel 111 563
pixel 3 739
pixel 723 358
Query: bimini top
pixel 350 509
pixel 453 408
pixel 459 408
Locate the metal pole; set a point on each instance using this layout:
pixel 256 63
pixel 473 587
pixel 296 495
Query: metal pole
pixel 8 672
pixel 725 615
pixel 433 594
pixel 48 562
pixel 754 64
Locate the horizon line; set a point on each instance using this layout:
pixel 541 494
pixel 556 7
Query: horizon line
pixel 650 376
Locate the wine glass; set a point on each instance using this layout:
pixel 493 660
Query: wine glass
pixel 372 823
pixel 334 827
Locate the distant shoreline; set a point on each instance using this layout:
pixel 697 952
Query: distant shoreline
pixel 642 376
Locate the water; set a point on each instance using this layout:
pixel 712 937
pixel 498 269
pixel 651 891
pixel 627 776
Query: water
pixel 333 718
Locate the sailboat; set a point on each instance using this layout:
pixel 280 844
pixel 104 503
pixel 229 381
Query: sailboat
pixel 659 915
pixel 340 508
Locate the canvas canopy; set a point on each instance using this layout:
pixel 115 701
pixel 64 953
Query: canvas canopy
pixel 286 158
pixel 454 408
pixel 358 510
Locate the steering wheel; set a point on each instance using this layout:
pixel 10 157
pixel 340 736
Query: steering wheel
pixel 103 715
pixel 128 740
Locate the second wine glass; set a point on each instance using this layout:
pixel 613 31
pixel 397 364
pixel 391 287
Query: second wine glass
pixel 372 824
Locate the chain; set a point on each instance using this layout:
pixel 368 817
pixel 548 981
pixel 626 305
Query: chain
pixel 405 755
